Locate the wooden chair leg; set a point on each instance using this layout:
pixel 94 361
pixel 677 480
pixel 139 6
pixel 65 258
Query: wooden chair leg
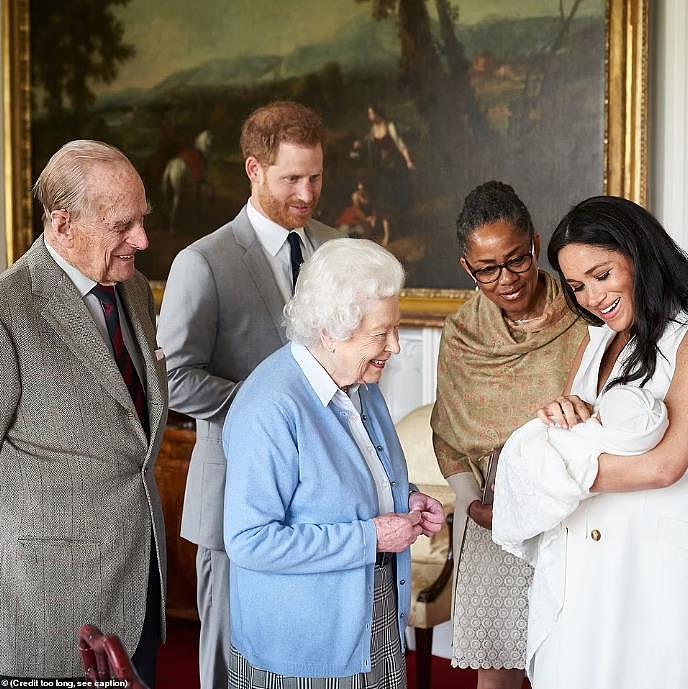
pixel 423 657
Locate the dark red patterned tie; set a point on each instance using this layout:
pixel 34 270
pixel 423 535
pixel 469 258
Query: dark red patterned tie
pixel 106 296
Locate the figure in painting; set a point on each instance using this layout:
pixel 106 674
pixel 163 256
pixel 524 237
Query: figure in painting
pixel 388 163
pixel 189 167
pixel 358 219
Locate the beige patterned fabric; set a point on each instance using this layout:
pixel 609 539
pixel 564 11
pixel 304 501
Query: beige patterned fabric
pixel 490 605
pixel 492 376
pixel 428 555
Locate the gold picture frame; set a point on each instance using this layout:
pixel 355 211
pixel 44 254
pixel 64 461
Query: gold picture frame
pixel 625 150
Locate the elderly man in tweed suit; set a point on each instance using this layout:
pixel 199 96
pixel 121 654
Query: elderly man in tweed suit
pixel 82 413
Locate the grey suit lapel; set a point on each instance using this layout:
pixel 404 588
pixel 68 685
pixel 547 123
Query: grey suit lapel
pixel 316 236
pixel 64 310
pixel 67 314
pixel 259 269
pixel 137 312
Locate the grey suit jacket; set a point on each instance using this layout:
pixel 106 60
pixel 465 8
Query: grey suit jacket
pixel 221 316
pixel 78 499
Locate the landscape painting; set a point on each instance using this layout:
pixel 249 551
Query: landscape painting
pixel 423 100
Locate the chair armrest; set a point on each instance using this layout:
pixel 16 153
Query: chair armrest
pixel 429 594
pixel 104 658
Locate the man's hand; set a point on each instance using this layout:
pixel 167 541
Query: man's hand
pixel 396 532
pixel 431 512
pixel 481 514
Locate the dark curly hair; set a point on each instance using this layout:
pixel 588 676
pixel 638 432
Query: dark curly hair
pixel 660 271
pixel 489 203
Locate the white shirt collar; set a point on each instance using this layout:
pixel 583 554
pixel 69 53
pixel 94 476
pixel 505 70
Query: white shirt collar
pixel 321 382
pixel 270 234
pixel 81 282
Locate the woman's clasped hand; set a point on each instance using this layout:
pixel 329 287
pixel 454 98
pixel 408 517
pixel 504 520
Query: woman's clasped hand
pixel 565 411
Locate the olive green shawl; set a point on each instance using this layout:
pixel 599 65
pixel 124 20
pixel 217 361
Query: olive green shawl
pixel 493 375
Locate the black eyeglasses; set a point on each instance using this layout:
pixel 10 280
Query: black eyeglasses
pixel 518 264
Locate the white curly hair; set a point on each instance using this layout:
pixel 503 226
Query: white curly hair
pixel 334 285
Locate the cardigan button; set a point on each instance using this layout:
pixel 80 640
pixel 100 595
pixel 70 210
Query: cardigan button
pixel 364 417
pixel 379 448
pixel 402 582
pixel 595 535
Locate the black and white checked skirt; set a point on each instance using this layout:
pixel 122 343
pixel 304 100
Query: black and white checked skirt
pixel 388 668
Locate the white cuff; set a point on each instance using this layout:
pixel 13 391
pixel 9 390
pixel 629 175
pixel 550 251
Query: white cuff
pixel 466 489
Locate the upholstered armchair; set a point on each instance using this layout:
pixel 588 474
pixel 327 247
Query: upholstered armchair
pixel 431 558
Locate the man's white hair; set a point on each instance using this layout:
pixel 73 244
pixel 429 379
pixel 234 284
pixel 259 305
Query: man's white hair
pixel 334 285
pixel 63 183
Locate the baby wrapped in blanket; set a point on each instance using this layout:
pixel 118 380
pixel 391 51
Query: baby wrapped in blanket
pixel 543 475
pixel 544 472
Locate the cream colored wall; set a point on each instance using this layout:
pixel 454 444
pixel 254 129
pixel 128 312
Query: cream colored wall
pixel 669 117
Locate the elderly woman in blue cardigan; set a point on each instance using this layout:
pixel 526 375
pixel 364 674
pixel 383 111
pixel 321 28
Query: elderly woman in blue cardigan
pixel 319 515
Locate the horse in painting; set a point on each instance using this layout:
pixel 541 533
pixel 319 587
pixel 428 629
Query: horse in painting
pixel 188 169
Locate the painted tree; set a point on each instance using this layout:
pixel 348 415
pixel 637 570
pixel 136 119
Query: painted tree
pixel 74 44
pixel 435 71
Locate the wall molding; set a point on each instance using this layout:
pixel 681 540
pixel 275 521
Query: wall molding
pixel 669 111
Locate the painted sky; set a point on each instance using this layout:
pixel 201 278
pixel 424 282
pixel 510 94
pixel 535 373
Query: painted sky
pixel 174 34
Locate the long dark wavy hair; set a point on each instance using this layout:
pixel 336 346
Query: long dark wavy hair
pixel 660 272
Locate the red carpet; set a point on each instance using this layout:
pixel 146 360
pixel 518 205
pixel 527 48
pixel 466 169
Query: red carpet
pixel 178 666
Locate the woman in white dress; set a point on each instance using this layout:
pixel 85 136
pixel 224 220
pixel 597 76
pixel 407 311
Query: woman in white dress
pixel 623 617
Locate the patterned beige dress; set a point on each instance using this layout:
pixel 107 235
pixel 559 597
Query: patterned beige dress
pixel 492 376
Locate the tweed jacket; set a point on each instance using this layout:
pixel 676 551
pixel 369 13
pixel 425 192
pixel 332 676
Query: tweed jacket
pixel 79 505
pixel 220 317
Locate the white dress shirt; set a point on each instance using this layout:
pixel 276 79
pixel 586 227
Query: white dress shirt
pixel 349 407
pixel 84 285
pixel 273 239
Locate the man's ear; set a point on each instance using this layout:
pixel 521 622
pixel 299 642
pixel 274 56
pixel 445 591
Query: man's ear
pixel 61 227
pixel 254 170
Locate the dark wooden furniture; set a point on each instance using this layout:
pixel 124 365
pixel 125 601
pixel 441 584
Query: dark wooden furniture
pixel 170 472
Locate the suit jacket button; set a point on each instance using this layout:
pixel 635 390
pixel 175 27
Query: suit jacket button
pixel 595 535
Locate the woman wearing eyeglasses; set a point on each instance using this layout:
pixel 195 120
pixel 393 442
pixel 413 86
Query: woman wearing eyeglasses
pixel 503 355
